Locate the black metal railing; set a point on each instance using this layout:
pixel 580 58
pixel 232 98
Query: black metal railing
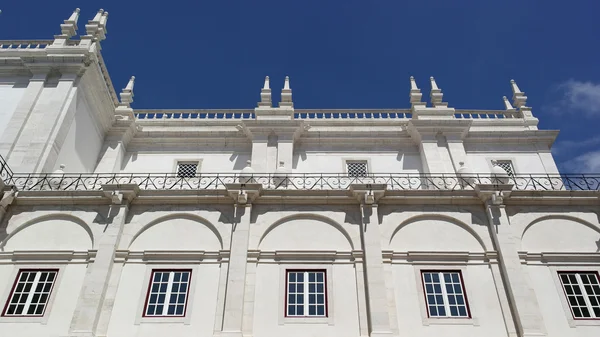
pixel 170 181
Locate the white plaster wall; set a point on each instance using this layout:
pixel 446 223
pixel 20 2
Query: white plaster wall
pixel 305 234
pixel 434 235
pixel 212 161
pixel 560 235
pixel 525 162
pixel 555 315
pixel 177 234
pixel 270 292
pixel 378 161
pixel 53 234
pixel 482 299
pixel 82 144
pixel 132 292
pixel 11 91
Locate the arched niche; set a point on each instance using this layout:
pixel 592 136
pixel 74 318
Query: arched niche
pixel 181 232
pixel 560 234
pixel 51 233
pixel 305 233
pixel 435 233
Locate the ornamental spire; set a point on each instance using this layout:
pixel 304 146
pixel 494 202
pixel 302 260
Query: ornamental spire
pixel 519 98
pixel 415 94
pixel 265 95
pixel 436 95
pixel 96 27
pixel 286 95
pixel 127 94
pixel 69 28
pixel 507 104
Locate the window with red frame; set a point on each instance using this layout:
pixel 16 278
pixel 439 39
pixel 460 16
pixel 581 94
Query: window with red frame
pixel 306 294
pixel 582 290
pixel 30 293
pixel 445 294
pixel 167 293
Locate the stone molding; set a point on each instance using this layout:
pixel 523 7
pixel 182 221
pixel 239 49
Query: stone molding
pixel 47 256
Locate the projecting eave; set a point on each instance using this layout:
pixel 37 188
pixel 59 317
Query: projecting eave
pixel 546 137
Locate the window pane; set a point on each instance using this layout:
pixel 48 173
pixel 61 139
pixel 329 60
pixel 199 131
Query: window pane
pixel 35 285
pixel 167 292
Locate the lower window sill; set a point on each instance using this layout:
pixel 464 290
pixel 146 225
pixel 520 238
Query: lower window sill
pixel 450 321
pixel 167 320
pixel 307 320
pixel 24 319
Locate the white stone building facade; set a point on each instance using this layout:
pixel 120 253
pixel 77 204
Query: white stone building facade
pixel 276 221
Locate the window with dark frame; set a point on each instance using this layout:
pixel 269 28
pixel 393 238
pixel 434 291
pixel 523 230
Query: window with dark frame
pixel 306 294
pixel 582 290
pixel 30 293
pixel 445 294
pixel 167 293
pixel 187 169
pixel 356 168
pixel 507 166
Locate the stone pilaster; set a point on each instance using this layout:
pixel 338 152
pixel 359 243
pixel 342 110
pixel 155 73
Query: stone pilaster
pixel 111 157
pixel 521 296
pixel 92 303
pixel 21 114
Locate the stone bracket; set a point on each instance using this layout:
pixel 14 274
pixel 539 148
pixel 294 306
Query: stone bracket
pixel 243 193
pixel 493 194
pixel 120 192
pixel 368 194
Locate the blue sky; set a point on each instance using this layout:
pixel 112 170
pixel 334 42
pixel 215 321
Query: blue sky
pixel 351 54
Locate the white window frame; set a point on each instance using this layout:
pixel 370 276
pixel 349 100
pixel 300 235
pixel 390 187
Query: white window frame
pixel 560 292
pixel 141 318
pixel 168 293
pixel 31 293
pixel 473 320
pixel 49 304
pixel 584 293
pixel 283 318
pixel 306 293
pixel 444 293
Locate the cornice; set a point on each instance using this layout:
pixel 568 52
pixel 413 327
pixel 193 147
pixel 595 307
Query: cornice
pixel 305 256
pixel 171 256
pixel 47 256
pixel 560 258
pixel 439 257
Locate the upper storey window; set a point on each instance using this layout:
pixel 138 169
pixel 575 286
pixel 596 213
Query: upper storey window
pixel 306 293
pixel 30 293
pixel 445 294
pixel 167 293
pixel 507 166
pixel 356 168
pixel 187 169
pixel 582 290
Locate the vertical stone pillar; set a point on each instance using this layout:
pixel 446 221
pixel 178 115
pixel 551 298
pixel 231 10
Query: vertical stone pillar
pixel 35 141
pixel 285 150
pixel 456 148
pixel 377 302
pixel 91 302
pixel 434 157
pixel 363 320
pixel 249 295
pixel 546 158
pixel 521 297
pixel 236 277
pixel 259 153
pixel 111 157
pixel 21 114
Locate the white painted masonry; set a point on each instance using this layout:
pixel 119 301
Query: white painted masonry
pixel 90 189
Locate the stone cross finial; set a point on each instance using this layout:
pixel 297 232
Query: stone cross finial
pixel 519 98
pixel 286 95
pixel 127 93
pixel 436 94
pixel 69 28
pixel 415 93
pixel 265 95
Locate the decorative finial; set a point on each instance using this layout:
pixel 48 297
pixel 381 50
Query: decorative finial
pixel 127 93
pixel 286 95
pixel 519 98
pixel 436 95
pixel 415 94
pixel 96 28
pixel 507 104
pixel 265 95
pixel 69 28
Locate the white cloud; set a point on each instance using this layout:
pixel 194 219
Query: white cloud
pixel 579 97
pixel 566 147
pixel 586 163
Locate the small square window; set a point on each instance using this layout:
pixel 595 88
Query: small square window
pixel 31 293
pixel 582 290
pixel 444 294
pixel 167 293
pixel 356 168
pixel 306 294
pixel 187 169
pixel 506 165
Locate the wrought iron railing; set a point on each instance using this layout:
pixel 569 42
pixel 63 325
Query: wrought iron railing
pixel 170 181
